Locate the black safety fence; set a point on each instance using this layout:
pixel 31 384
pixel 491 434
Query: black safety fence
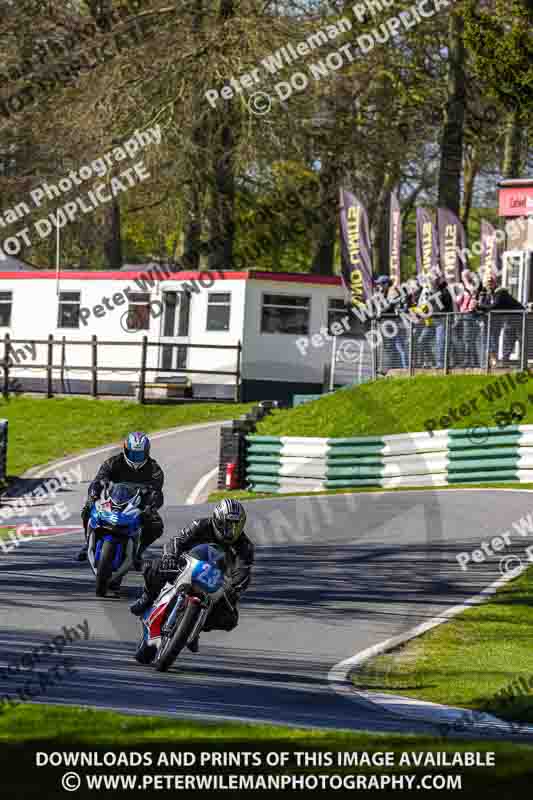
pixel 455 342
pixel 162 370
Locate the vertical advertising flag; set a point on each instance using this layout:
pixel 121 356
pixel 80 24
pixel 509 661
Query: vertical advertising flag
pixel 427 245
pixel 452 244
pixel 395 240
pixel 489 253
pixel 355 248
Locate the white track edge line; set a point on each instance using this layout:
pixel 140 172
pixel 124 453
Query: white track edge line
pixel 199 487
pixel 338 675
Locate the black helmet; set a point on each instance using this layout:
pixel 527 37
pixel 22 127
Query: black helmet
pixel 229 519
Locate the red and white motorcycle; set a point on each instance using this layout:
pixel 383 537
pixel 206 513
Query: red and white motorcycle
pixel 179 613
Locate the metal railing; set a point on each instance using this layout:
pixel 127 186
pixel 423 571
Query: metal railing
pixel 469 342
pixel 56 369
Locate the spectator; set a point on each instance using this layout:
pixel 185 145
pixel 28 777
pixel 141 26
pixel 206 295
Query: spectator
pixel 494 299
pixel 444 307
pixel 431 341
pixel 467 332
pixel 383 306
pixel 401 302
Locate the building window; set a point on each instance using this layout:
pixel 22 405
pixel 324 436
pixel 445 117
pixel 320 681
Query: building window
pixel 218 311
pixel 6 301
pixel 339 311
pixel 69 310
pixel 285 314
pixel 138 318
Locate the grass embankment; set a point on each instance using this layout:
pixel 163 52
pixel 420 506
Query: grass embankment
pixel 43 429
pixel 398 405
pixel 474 661
pixel 401 405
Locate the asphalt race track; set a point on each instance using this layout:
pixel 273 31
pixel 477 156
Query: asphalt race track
pixel 334 576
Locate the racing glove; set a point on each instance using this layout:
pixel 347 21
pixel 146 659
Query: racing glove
pixel 148 496
pixel 232 595
pixel 95 490
pixel 170 562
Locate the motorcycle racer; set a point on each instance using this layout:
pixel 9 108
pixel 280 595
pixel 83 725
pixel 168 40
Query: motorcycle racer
pixel 226 529
pixel 132 465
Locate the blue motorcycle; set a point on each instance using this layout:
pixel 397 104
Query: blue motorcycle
pixel 114 532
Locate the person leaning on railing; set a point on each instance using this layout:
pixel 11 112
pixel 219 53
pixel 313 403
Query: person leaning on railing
pixel 494 298
pixel 468 329
pixel 435 330
pixel 383 301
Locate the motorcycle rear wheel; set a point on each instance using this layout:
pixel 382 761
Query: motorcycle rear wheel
pixel 173 645
pixel 105 568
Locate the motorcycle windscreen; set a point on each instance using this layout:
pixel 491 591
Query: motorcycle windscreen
pixel 121 494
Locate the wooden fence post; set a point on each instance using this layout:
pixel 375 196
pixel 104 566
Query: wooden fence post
pixel 94 349
pixel 7 349
pixel 142 380
pixel 50 363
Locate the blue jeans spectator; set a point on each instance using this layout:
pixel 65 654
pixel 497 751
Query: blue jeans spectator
pixel 425 338
pixel 470 340
pixel 400 342
pixel 440 337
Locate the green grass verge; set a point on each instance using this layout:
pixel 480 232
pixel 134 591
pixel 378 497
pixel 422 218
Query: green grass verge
pixel 28 722
pixel 45 723
pixel 396 405
pixel 41 430
pixel 243 494
pixel 473 661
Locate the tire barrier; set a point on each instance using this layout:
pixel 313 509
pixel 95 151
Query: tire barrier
pixel 233 442
pixel 481 455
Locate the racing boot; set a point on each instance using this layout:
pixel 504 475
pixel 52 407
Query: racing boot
pixel 138 560
pixel 194 645
pixel 114 586
pixel 82 555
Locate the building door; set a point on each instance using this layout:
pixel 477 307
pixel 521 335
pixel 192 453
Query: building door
pixel 175 330
pixel 515 275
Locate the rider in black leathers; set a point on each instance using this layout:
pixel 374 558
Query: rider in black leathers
pixel 226 529
pixel 122 468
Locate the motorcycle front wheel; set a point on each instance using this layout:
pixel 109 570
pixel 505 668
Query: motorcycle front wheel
pixel 105 568
pixel 172 645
